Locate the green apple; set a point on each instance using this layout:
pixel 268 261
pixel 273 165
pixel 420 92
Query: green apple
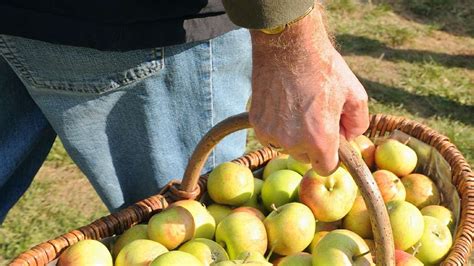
pixel 250 210
pixel 171 227
pixel 176 258
pixel 329 197
pixel 298 259
pixel 205 225
pixel 241 231
pixel 441 213
pixel 390 186
pixel 297 166
pixel 435 242
pixel 290 228
pixel 403 258
pixel 275 164
pixel 230 183
pixel 256 200
pixel 207 251
pixel 84 253
pixel 358 220
pixel 317 237
pixel 395 157
pixel 218 211
pixel 133 233
pixel 341 247
pixel 407 223
pixel 280 187
pixel 251 256
pixel 421 191
pixel 140 252
pixel 367 149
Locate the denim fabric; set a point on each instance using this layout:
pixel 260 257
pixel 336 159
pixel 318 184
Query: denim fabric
pixel 130 120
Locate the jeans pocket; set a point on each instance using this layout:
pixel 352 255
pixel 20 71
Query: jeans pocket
pixel 47 66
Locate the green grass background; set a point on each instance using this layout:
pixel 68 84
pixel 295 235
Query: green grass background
pixel 414 57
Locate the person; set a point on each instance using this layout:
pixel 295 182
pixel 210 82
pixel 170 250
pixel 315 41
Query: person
pixel 130 87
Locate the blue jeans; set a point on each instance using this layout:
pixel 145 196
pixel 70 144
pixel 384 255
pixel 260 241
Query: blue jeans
pixel 129 120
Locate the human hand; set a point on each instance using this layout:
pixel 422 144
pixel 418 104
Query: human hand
pixel 304 96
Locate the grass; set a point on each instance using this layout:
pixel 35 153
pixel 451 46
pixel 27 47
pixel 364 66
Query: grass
pixel 414 60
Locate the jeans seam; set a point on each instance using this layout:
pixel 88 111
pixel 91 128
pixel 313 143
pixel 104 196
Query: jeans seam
pixel 211 88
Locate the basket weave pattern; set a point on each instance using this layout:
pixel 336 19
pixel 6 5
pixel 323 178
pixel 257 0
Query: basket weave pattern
pixel 117 223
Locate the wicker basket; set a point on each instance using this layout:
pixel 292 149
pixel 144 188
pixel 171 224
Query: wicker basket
pixel 193 186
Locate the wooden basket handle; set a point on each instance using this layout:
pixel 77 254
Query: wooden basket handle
pixel 385 254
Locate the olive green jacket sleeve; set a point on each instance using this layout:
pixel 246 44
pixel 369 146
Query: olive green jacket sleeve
pixel 264 14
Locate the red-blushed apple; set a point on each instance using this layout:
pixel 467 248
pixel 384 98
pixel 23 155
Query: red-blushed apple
pixel 317 237
pixel 176 258
pixel 241 231
pixel 204 223
pixel 218 211
pixel 358 220
pixel 230 183
pixel 290 228
pixel 280 187
pixel 250 210
pixel 171 227
pixel 441 213
pixel 367 149
pixel 329 197
pixel 341 247
pixel 407 223
pixel 84 253
pixel 421 191
pixel 256 200
pixel 207 251
pixel 395 157
pixel 298 259
pixel 133 233
pixel 297 166
pixel 278 163
pixel 435 242
pixel 390 186
pixel 403 258
pixel 140 252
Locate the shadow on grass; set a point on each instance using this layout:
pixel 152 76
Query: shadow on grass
pixel 422 105
pixel 360 45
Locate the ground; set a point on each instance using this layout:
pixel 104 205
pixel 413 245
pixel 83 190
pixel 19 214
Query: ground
pixel 414 57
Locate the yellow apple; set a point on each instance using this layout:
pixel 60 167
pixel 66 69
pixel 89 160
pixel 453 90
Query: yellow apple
pixel 176 258
pixel 395 157
pixel 358 220
pixel 441 213
pixel 390 186
pixel 85 253
pixel 230 183
pixel 218 211
pixel 421 191
pixel 204 223
pixel 298 166
pixel 207 251
pixel 275 164
pixel 280 187
pixel 407 223
pixel 140 252
pixel 435 242
pixel 133 233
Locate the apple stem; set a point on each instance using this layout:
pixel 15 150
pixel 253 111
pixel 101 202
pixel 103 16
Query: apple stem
pixel 270 253
pixel 416 249
pixel 273 207
pixel 246 257
pixel 361 255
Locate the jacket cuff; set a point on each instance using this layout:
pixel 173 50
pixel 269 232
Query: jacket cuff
pixel 265 14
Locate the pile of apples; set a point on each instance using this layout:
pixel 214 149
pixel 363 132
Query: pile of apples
pixel 290 216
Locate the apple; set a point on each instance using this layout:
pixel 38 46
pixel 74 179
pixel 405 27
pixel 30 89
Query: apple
pixel 84 253
pixel 251 256
pixel 218 211
pixel 403 258
pixel 204 223
pixel 140 252
pixel 395 157
pixel 171 227
pixel 280 188
pixel 298 166
pixel 421 191
pixel 230 183
pixel 256 200
pixel 278 163
pixel 317 237
pixel 341 247
pixel 290 228
pixel 389 185
pixel 358 220
pixel 176 258
pixel 250 210
pixel 298 259
pixel 367 149
pixel 441 213
pixel 329 197
pixel 133 233
pixel 207 251
pixel 407 223
pixel 435 242
pixel 241 231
